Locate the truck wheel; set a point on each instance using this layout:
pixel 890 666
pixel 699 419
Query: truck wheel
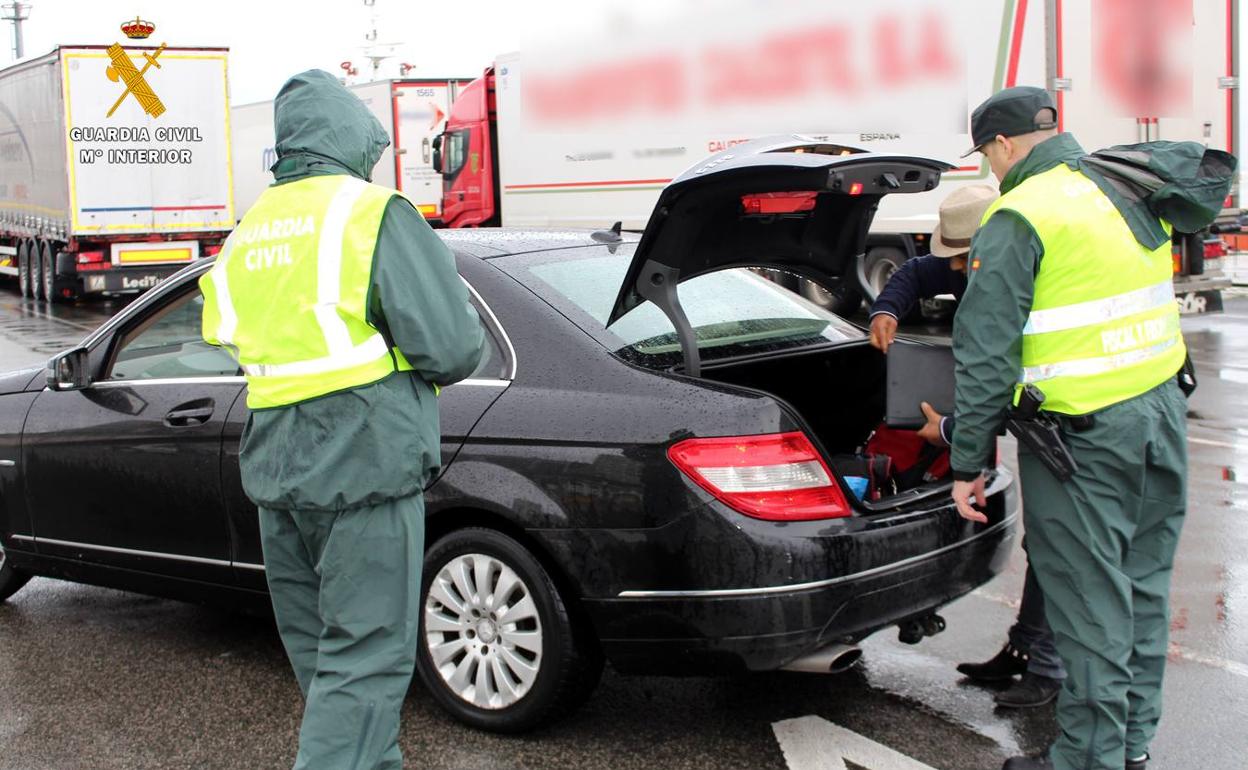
pixel 498 648
pixel 25 273
pixel 842 297
pixel 880 265
pixel 11 580
pixel 36 270
pixel 47 273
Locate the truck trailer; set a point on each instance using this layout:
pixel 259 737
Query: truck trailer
pixel 412 110
pixel 498 170
pixel 114 167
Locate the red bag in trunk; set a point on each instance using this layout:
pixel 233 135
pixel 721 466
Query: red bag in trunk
pixel 914 460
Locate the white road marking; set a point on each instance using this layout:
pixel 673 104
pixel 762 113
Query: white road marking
pixel 814 743
pixel 1176 650
pixel 1234 375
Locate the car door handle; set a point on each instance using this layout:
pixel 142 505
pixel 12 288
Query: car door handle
pixel 183 418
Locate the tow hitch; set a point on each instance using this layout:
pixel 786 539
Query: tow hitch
pixel 913 630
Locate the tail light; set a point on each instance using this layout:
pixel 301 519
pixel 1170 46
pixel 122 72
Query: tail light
pixel 212 251
pixel 1215 249
pixel 776 476
pixel 87 257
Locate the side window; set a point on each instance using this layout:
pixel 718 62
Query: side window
pixel 456 152
pixel 169 344
pixel 493 364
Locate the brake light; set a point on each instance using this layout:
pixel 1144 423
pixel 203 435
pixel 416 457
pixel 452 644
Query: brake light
pixel 1215 249
pixel 212 251
pixel 775 476
pixel 761 204
pixel 855 188
pixel 86 257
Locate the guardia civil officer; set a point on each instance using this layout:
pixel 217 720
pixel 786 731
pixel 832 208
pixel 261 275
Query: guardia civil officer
pixel 1030 650
pixel 346 314
pixel 1070 290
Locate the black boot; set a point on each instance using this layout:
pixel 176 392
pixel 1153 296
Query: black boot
pixel 1008 663
pixel 1028 763
pixel 1138 764
pixel 1030 691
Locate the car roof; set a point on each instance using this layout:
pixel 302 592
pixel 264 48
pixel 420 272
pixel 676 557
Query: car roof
pixel 490 242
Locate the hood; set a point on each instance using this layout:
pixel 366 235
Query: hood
pixel 321 127
pixel 1183 183
pixel 18 381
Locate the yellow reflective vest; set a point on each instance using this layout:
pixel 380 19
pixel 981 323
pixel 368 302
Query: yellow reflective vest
pixel 1104 324
pixel 289 292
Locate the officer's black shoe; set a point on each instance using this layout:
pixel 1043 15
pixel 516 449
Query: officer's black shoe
pixel 1028 763
pixel 1138 764
pixel 1030 691
pixel 1008 663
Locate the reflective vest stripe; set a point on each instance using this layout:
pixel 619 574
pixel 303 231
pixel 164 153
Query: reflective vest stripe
pixel 225 305
pixel 1085 367
pixel 1101 310
pixel 329 271
pixel 367 351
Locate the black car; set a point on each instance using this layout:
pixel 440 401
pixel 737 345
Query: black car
pixel 633 473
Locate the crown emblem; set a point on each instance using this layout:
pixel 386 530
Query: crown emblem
pixel 137 29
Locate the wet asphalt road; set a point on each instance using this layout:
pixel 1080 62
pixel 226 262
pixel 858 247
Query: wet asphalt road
pixel 95 678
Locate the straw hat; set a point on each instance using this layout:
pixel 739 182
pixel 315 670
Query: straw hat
pixel 960 214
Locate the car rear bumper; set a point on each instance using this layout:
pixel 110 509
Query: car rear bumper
pixel 727 630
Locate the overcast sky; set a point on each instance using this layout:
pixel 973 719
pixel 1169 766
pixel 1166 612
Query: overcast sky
pixel 270 40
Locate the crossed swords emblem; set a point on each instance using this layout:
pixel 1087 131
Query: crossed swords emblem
pixel 136 84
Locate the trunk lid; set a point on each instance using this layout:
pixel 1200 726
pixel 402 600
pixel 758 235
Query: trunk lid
pixel 788 202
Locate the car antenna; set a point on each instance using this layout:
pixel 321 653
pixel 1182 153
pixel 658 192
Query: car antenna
pixel 608 236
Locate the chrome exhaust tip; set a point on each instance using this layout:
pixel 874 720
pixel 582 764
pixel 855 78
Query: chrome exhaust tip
pixel 830 660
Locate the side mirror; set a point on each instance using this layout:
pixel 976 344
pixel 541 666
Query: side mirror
pixel 69 370
pixel 437 153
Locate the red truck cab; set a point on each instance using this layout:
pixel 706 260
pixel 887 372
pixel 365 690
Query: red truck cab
pixel 465 156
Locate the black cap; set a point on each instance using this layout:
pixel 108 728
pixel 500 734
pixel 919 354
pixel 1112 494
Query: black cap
pixel 1011 112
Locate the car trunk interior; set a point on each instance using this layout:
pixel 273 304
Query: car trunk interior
pixel 839 392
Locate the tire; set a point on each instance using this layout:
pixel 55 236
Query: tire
pixel 1194 250
pixel 880 265
pixel 500 685
pixel 25 271
pixel 47 273
pixel 842 298
pixel 36 270
pixel 11 580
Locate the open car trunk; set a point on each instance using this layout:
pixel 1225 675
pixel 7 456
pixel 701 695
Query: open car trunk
pixel 839 393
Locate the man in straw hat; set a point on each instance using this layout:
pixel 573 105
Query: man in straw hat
pixel 1030 651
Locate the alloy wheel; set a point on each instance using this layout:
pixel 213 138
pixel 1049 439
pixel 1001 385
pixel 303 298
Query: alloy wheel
pixel 483 631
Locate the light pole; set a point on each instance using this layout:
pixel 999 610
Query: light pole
pixel 16 12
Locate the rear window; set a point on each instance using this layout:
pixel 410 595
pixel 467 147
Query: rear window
pixel 733 312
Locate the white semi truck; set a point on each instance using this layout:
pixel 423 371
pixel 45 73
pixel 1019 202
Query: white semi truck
pixel 114 167
pixel 412 110
pixel 594 139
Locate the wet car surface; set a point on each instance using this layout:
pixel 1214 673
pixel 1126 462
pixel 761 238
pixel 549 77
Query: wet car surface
pixel 98 678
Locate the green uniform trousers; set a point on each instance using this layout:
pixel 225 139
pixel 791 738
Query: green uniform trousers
pixel 346 593
pixel 1102 545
